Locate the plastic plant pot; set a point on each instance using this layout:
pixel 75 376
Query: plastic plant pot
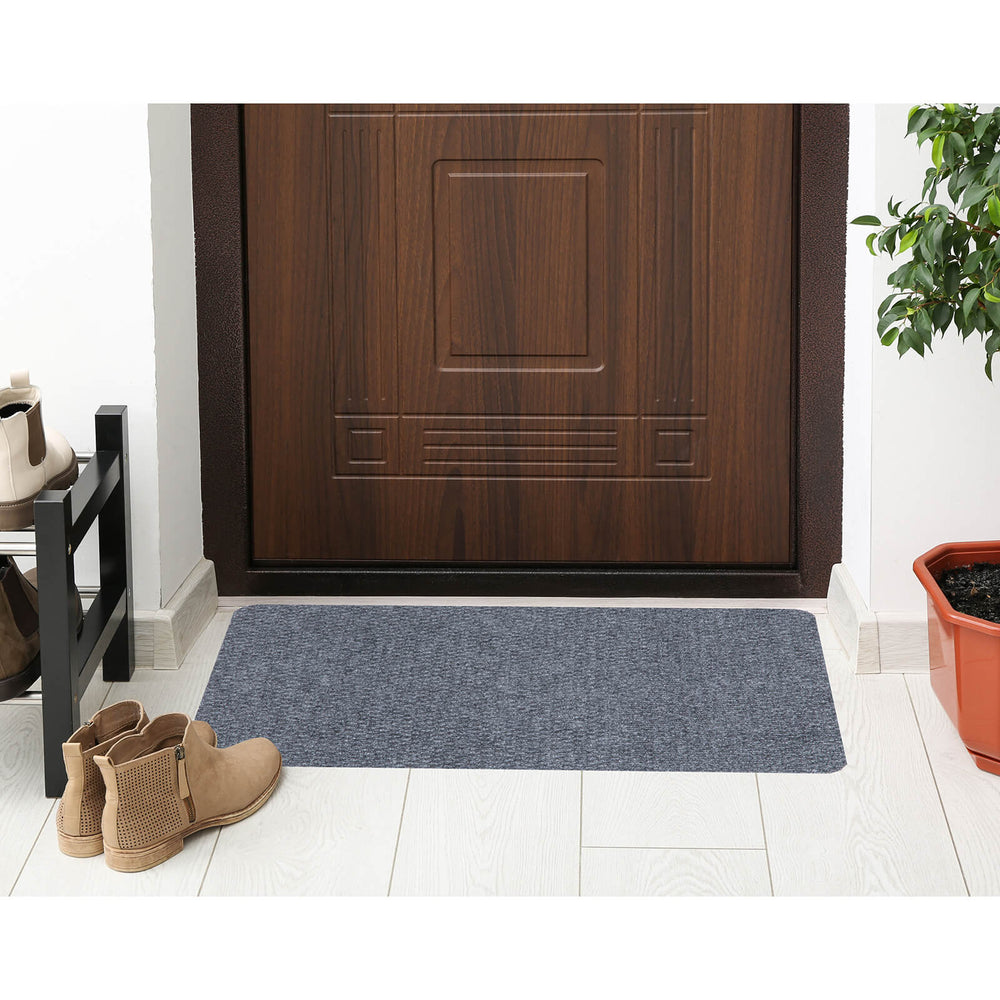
pixel 964 653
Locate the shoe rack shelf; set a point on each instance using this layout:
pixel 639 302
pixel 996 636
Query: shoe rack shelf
pixel 71 651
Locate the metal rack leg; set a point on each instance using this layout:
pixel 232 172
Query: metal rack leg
pixel 57 632
pixel 114 528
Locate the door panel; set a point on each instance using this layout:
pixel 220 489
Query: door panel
pixel 521 334
pixel 508 296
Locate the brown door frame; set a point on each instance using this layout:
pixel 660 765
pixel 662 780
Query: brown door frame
pixel 216 153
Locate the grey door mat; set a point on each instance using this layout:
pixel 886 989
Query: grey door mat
pixel 623 689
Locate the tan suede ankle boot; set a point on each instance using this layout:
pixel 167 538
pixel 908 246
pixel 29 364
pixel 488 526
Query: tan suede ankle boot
pixel 168 782
pixel 78 819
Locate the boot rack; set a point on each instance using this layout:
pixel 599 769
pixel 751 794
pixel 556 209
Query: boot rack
pixel 70 652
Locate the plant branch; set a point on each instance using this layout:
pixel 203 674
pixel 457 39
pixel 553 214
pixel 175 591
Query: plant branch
pixel 969 225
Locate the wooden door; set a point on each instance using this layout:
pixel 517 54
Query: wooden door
pixel 521 334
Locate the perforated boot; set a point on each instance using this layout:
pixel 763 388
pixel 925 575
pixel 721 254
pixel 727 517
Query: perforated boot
pixel 168 782
pixel 32 458
pixel 78 819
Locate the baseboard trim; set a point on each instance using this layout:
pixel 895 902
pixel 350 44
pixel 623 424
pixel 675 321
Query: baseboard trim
pixel 163 638
pixel 855 625
pixel 902 642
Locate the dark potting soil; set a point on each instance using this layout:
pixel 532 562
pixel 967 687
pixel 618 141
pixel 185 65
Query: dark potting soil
pixel 974 590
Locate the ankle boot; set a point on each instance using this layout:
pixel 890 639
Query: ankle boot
pixel 78 819
pixel 168 782
pixel 20 665
pixel 32 457
pixel 19 662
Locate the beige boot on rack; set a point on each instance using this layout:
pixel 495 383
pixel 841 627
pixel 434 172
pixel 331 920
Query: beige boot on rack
pixel 32 458
pixel 78 819
pixel 168 782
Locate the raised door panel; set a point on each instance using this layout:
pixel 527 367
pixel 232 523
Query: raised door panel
pixel 517 286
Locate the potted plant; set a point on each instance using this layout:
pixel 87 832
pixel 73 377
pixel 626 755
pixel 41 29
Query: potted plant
pixel 952 280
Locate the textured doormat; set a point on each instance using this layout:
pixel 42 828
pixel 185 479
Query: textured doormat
pixel 623 689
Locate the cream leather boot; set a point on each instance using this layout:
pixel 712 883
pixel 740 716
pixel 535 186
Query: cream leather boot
pixel 78 819
pixel 168 782
pixel 32 458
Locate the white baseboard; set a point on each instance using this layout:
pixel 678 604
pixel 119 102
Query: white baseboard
pixel 902 641
pixel 855 625
pixel 875 641
pixel 163 638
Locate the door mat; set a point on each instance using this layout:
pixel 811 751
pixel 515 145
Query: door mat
pixel 622 689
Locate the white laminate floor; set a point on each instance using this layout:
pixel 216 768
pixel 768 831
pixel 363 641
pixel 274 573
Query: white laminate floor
pixel 909 815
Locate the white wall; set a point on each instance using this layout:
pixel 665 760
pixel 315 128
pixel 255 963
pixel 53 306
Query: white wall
pixel 934 474
pixel 176 336
pixel 79 212
pixel 76 299
pixel 857 541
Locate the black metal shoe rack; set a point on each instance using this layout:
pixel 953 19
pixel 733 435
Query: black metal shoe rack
pixel 70 652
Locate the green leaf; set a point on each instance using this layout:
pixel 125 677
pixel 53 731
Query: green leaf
pixel 942 316
pixel 989 367
pixel 992 344
pixel 869 241
pixel 926 133
pixel 916 119
pixel 990 297
pixel 980 127
pixel 936 239
pixel 885 303
pixel 950 108
pixel 993 311
pixel 992 171
pixel 866 220
pixel 974 193
pixel 889 337
pixel 952 279
pixel 914 341
pixel 957 143
pixel 909 239
pixel 922 324
pixel 972 262
pixel 937 151
pixel 970 300
pixel 924 277
pixel 994 208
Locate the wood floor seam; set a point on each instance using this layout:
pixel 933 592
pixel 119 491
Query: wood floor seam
pixel 937 788
pixel 399 832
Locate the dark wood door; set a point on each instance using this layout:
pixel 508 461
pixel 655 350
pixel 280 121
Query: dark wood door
pixel 521 334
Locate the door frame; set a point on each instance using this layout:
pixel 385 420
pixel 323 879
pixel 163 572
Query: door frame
pixel 817 391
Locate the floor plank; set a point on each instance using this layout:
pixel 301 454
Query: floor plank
pixel 489 833
pixel 23 805
pixel 326 832
pixel 646 809
pixel 971 797
pixel 631 872
pixel 877 826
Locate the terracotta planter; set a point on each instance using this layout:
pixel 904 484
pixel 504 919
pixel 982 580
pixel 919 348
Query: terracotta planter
pixel 964 653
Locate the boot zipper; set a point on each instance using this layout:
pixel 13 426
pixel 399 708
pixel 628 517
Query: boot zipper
pixel 182 781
